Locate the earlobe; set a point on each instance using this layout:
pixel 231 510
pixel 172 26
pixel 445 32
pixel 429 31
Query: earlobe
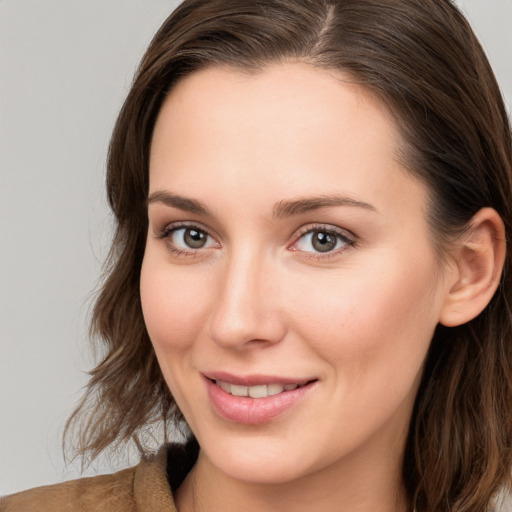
pixel 479 259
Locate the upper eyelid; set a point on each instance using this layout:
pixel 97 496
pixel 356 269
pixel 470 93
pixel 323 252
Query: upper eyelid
pixel 351 240
pixel 296 235
pixel 311 227
pixel 175 226
pixel 165 234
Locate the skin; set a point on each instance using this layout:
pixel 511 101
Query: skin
pixel 259 298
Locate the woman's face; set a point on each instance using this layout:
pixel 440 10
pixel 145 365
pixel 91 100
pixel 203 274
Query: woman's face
pixel 287 246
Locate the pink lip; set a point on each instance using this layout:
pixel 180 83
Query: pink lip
pixel 253 411
pixel 254 380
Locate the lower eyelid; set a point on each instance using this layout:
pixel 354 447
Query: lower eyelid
pixel 346 240
pixel 167 231
pixel 166 234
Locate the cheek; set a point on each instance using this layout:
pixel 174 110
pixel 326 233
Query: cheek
pixel 172 305
pixel 383 313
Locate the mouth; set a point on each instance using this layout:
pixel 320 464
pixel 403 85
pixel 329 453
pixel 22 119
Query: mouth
pixel 258 391
pixel 255 399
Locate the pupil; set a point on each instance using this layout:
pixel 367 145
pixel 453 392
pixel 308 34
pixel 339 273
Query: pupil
pixel 323 242
pixel 195 238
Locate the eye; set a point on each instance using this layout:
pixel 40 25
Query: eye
pixel 185 239
pixel 322 240
pixel 189 238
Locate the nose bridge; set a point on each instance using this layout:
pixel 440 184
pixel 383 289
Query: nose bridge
pixel 247 307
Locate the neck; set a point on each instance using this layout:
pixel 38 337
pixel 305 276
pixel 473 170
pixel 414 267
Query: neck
pixel 347 487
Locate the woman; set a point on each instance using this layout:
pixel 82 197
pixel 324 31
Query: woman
pixel 310 266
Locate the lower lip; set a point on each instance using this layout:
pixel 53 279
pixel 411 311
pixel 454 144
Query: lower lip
pixel 253 411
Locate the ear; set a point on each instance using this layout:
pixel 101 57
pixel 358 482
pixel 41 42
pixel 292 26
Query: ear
pixel 478 263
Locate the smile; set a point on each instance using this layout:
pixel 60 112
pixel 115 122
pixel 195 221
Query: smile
pixel 255 399
pixel 260 391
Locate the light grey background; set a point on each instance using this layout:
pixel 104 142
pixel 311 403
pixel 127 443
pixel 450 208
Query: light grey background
pixel 65 66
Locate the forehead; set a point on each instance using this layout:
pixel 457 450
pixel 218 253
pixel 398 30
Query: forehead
pixel 289 128
pixel 277 96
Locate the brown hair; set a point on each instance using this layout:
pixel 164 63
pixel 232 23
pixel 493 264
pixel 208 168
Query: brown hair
pixel 423 60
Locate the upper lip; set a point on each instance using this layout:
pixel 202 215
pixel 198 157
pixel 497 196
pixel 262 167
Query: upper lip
pixel 256 379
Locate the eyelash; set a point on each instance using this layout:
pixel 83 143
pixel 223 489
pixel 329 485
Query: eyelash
pixel 348 239
pixel 169 230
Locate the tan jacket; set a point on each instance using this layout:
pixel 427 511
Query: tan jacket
pixel 143 488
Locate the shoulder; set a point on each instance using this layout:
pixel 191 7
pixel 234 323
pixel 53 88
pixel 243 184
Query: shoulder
pixel 84 494
pixel 141 488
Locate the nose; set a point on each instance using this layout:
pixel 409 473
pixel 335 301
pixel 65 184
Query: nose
pixel 249 311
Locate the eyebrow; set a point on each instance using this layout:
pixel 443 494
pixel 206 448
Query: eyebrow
pixel 180 202
pixel 285 208
pixel 307 204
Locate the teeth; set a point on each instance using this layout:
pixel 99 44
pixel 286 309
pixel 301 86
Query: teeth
pixel 260 391
pixel 225 386
pixel 239 390
pixel 274 389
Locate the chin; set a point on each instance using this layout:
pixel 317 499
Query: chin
pixel 259 460
pixel 264 471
